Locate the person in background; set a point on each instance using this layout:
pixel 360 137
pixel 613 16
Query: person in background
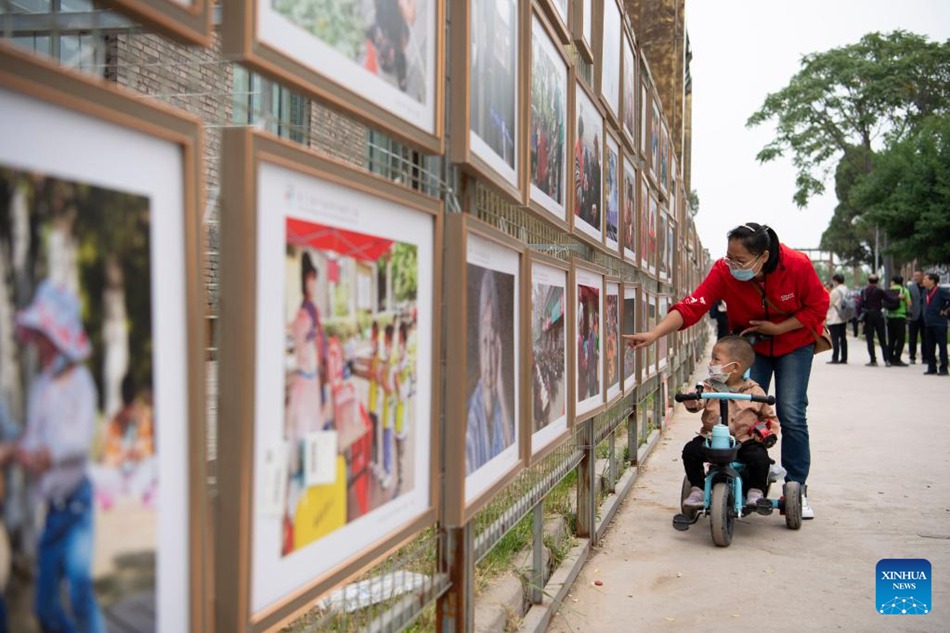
pixel 836 324
pixel 916 330
pixel 936 309
pixel 897 323
pixel 872 307
pixel 60 424
pixel 776 298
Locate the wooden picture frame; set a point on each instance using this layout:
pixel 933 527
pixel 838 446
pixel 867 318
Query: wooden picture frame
pixel 629 325
pixel 648 227
pixel 664 169
pixel 549 354
pixel 487 269
pixel 610 59
pixel 364 79
pixel 304 237
pixel 549 77
pixel 630 87
pixel 587 319
pixel 663 344
pixel 488 92
pixel 134 208
pixel 613 357
pixel 651 321
pixel 655 140
pixel 188 21
pixel 582 29
pixel 559 16
pixel 630 223
pixel 613 159
pixel 587 180
pixel 644 130
pixel 662 257
pixel 642 367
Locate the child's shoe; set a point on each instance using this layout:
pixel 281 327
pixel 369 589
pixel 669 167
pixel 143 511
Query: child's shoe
pixel 753 497
pixel 696 498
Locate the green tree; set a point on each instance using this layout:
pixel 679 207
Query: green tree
pixel 846 104
pixel 908 194
pixel 405 271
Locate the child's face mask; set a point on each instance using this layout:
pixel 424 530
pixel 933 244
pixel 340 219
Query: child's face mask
pixel 718 373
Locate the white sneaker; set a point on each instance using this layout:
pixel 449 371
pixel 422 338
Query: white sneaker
pixel 753 497
pixel 776 473
pixel 807 512
pixel 696 498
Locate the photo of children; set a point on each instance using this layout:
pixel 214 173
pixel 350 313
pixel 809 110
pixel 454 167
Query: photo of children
pixel 388 40
pixel 610 57
pixel 588 326
pixel 350 307
pixel 612 339
pixel 588 205
pixel 548 122
pixel 77 421
pixel 630 220
pixel 494 77
pixel 490 368
pixel 612 194
pixel 548 346
pixel 629 90
pixel 629 326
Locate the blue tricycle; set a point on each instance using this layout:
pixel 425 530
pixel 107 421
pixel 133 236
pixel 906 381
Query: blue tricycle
pixel 724 495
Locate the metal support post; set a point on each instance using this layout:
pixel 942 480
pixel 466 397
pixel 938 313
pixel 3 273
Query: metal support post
pixel 537 566
pixel 455 610
pixel 586 508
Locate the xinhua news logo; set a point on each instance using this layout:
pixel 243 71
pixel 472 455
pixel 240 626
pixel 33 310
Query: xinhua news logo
pixel 903 586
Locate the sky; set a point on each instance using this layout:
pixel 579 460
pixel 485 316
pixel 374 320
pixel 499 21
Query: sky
pixel 742 51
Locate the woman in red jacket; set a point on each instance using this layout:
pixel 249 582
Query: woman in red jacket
pixel 775 299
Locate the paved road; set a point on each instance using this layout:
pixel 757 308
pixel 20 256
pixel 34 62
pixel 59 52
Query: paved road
pixel 880 487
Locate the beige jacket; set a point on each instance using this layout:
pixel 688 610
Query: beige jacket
pixel 743 414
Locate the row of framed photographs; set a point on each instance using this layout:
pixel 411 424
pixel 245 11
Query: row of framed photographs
pixel 382 62
pixel 334 281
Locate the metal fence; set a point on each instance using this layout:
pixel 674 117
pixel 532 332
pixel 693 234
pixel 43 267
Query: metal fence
pixel 428 582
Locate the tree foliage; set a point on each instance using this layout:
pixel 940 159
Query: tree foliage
pixel 844 106
pixel 908 194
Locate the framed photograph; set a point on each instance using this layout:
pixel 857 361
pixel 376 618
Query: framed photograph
pixel 612 194
pixel 549 353
pixel 547 123
pixel 583 27
pixel 655 139
pixel 588 323
pixel 630 225
pixel 558 11
pixel 101 286
pixel 664 168
pixel 670 237
pixel 610 58
pixel 332 279
pixel 484 359
pixel 644 326
pixel 187 21
pixel 644 118
pixel 652 320
pixel 378 61
pixel 629 325
pixel 487 91
pixel 662 261
pixel 648 228
pixel 629 88
pixel 663 343
pixel 588 181
pixel 613 357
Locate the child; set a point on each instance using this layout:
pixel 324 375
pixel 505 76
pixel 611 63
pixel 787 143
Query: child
pixel 732 356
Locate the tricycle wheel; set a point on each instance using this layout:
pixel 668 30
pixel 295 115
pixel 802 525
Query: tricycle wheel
pixel 720 514
pixel 687 511
pixel 793 505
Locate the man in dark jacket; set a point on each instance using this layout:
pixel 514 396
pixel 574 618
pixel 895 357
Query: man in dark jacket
pixel 936 307
pixel 915 318
pixel 872 306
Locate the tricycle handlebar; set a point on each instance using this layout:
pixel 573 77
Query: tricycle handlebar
pixel 682 397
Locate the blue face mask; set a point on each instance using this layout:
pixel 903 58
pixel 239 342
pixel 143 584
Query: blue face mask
pixel 743 275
